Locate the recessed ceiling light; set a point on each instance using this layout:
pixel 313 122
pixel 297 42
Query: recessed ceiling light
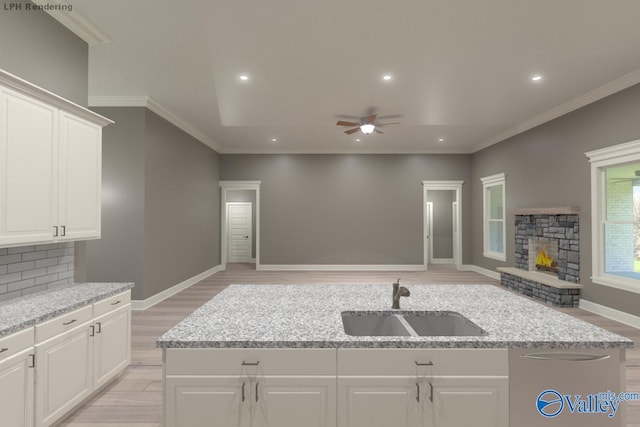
pixel 274 139
pixel 244 77
pixel 386 77
pixel 536 78
pixel 357 139
pixel 440 139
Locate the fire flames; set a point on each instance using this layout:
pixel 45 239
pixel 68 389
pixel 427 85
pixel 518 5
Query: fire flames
pixel 543 259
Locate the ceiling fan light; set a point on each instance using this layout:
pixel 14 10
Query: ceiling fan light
pixel 367 129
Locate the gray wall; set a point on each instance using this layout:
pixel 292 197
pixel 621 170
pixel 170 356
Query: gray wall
pixel 246 196
pixel 39 49
pixel 345 209
pixel 182 206
pixel 119 255
pixel 161 209
pixel 442 222
pixel 546 167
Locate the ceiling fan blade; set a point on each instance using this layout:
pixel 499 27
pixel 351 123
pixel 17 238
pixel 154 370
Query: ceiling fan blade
pixel 387 124
pixel 371 118
pixel 376 130
pixel 350 131
pixel 343 123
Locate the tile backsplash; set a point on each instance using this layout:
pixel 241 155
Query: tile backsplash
pixel 28 269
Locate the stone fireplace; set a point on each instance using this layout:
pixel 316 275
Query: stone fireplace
pixel 547 256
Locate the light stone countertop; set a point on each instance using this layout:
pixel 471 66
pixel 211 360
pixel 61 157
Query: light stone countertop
pixel 309 316
pixel 20 313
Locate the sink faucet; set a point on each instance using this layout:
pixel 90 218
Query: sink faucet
pixel 399 291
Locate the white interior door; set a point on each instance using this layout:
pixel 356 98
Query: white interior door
pixel 428 256
pixel 239 231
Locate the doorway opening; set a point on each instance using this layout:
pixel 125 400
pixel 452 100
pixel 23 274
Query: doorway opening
pixel 240 224
pixel 442 201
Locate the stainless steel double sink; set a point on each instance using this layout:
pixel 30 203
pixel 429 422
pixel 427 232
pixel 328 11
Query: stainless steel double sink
pixel 416 324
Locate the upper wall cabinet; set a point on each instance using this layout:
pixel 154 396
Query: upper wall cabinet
pixel 50 166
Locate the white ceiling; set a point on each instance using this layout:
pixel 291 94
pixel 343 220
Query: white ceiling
pixel 461 69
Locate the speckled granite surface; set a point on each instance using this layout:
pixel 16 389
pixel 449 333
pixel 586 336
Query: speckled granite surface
pixel 20 313
pixel 309 316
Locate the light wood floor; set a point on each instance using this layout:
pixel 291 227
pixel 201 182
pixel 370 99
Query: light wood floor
pixel 135 398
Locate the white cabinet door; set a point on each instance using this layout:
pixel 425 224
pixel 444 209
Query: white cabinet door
pixel 460 401
pixel 112 349
pixel 16 390
pixel 294 402
pixel 64 373
pixel 28 169
pixel 80 166
pixel 207 402
pixel 379 402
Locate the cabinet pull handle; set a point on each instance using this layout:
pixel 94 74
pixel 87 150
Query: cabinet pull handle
pixel 568 357
pixel 431 392
pixel 64 230
pixel 70 322
pixel 55 234
pixel 93 331
pixel 3 350
pixel 257 384
pixel 116 303
pixel 99 331
pixel 250 363
pixel 243 392
pixel 33 360
pixel 417 392
pixel 429 363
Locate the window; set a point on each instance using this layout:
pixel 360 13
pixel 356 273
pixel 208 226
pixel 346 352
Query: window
pixel 493 190
pixel 615 206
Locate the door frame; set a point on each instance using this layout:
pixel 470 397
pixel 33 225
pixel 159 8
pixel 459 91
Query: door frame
pixel 250 205
pixel 457 241
pixel 226 186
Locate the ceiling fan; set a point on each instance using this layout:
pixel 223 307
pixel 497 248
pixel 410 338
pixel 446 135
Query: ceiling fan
pixel 366 125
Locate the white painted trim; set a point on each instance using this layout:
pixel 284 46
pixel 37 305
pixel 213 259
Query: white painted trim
pixel 75 22
pixel 335 150
pixel 442 261
pixel 485 272
pixel 16 83
pixel 488 182
pixel 238 185
pixel 340 267
pixel 600 160
pixel 161 296
pixel 457 244
pixel 610 313
pixel 576 103
pixel 154 106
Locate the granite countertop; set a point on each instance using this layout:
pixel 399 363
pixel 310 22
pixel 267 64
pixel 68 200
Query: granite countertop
pixel 20 313
pixel 309 316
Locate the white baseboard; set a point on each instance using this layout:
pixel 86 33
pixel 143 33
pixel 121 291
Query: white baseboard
pixel 611 313
pixel 339 267
pixel 161 296
pixel 469 267
pixel 442 261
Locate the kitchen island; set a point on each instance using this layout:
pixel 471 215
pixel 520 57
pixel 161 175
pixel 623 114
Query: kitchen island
pixel 279 355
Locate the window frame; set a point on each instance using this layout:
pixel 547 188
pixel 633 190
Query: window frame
pixel 489 182
pixel 617 155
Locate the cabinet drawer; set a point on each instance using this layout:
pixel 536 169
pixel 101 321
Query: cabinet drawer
pixel 215 361
pixel 111 303
pixel 411 362
pixel 15 343
pixel 63 323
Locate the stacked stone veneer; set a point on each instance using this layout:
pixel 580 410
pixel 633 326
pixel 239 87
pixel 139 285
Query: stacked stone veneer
pixel 563 229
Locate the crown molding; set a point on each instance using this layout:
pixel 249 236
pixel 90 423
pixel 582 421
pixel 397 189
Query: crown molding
pixel 231 150
pixel 610 88
pixel 154 106
pixel 74 21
